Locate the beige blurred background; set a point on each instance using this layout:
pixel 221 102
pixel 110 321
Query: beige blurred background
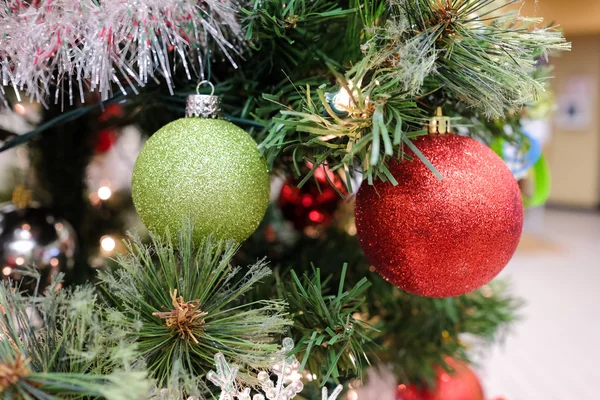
pixel 553 352
pixel 574 152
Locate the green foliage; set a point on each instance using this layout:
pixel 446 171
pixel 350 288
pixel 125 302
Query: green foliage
pixel 211 289
pixel 420 332
pixel 410 332
pixel 401 59
pixel 290 32
pixel 484 54
pixel 63 345
pixel 333 341
pixel 471 54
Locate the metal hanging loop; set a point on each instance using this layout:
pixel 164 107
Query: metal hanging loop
pixel 205 82
pixel 203 105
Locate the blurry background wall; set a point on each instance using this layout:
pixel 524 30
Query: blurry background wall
pixel 574 148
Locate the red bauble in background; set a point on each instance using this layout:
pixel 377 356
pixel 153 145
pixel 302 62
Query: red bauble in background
pixel 107 137
pixel 442 238
pixel 460 384
pixel 111 111
pixel 314 203
pixel 106 140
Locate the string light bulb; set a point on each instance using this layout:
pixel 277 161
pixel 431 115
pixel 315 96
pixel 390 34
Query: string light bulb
pixel 342 102
pixel 342 99
pixel 348 101
pixel 104 193
pixel 107 243
pixel 20 109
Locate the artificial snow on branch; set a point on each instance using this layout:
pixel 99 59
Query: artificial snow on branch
pixel 46 45
pixel 61 345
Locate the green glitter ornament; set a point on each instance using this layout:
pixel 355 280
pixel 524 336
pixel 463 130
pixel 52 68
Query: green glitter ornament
pixel 203 168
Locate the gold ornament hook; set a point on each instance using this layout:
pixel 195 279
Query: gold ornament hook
pixel 439 124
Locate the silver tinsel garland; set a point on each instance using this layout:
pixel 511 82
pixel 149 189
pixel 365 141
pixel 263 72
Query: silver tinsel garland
pixel 46 45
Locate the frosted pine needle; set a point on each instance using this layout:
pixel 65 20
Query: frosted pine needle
pixel 185 303
pixel 78 352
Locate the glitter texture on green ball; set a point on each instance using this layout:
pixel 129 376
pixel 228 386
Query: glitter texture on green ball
pixel 205 169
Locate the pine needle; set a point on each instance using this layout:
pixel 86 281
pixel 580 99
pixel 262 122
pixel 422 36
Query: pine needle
pixel 61 345
pixel 476 56
pixel 184 306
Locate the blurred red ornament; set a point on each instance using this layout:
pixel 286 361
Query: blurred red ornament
pixel 111 111
pixel 460 384
pixel 314 203
pixel 106 140
pixel 442 238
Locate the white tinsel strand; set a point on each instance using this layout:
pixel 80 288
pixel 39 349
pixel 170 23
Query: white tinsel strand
pixel 100 44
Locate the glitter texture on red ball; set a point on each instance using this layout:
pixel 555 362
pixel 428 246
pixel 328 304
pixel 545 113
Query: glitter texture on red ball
pixel 442 238
pixel 460 384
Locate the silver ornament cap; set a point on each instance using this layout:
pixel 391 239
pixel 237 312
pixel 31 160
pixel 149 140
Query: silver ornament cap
pixel 203 105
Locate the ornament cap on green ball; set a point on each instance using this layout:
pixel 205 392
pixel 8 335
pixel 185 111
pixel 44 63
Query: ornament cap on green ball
pixel 205 169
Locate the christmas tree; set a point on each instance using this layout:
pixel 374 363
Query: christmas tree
pixel 324 202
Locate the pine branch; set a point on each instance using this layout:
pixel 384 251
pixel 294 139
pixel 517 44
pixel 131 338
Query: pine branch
pixel 471 54
pixel 420 332
pixel 331 340
pixel 485 55
pixel 410 332
pixel 286 33
pixel 184 306
pixel 61 345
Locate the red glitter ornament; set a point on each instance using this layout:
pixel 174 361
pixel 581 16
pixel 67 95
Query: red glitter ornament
pixel 460 384
pixel 442 238
pixel 314 203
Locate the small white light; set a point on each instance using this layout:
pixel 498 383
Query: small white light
pixel 352 230
pixel 54 262
pixel 107 243
pixel 104 193
pixel 19 261
pixel 342 99
pixel 20 109
pixel 6 271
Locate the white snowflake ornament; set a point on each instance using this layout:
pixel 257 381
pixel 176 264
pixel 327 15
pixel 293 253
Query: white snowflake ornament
pixel 285 368
pixel 225 379
pixel 336 392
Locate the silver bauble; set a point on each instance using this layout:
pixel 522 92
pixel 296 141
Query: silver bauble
pixel 32 237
